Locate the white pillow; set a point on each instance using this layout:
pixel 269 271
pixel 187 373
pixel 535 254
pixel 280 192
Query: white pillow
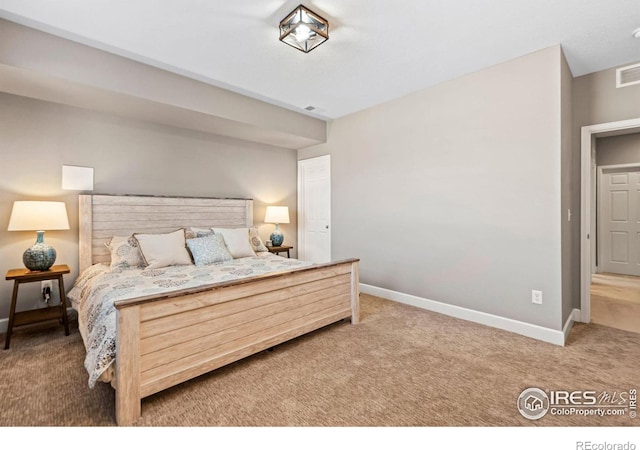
pixel 237 241
pixel 162 250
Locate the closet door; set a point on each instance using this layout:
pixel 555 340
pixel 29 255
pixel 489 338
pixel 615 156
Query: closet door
pixel 314 209
pixel 619 221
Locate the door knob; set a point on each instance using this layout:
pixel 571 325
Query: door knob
pixel 327 227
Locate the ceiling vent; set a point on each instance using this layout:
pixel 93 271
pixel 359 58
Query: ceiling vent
pixel 314 109
pixel 627 76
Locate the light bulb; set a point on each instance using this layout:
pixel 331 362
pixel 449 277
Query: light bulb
pixel 303 33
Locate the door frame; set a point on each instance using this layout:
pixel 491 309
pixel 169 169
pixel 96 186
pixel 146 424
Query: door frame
pixel 599 203
pixel 587 201
pixel 301 206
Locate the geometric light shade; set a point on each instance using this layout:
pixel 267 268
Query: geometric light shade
pixel 34 216
pixel 277 214
pixel 303 29
pixel 38 217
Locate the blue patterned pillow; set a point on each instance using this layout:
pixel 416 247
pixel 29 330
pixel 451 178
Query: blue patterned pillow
pixel 208 249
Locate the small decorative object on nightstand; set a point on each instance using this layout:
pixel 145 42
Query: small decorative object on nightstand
pixel 38 217
pixel 20 276
pixel 277 215
pixel 280 249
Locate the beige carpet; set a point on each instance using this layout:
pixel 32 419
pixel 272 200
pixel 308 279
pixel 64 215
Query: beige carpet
pixel 401 366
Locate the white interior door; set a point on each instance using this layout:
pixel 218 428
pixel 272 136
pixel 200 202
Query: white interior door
pixel 314 209
pixel 619 221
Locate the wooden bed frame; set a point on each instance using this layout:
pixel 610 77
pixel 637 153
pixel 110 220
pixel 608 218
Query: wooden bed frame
pixel 168 339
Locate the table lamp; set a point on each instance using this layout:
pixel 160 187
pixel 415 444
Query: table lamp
pixel 277 215
pixel 38 217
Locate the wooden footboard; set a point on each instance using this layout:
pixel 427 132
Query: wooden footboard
pixel 164 341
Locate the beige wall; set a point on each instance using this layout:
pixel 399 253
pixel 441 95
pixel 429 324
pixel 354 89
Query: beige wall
pixel 129 157
pixel 597 100
pixel 39 65
pixel 623 149
pixel 570 222
pixel 453 193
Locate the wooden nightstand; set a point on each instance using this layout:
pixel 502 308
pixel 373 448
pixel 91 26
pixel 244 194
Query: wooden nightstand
pixel 280 249
pixel 20 276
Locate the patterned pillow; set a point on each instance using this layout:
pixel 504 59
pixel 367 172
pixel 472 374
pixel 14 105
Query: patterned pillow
pixel 125 252
pixel 208 249
pixel 256 242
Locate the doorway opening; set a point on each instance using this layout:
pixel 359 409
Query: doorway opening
pixel 615 287
pixel 590 250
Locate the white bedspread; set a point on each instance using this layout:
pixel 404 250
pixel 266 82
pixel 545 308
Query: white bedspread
pixel 97 288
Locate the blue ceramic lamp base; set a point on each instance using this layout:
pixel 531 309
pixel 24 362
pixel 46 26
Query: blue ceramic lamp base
pixel 40 256
pixel 277 238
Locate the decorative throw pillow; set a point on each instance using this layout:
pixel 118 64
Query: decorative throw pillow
pixel 237 241
pixel 209 249
pixel 125 253
pixel 162 250
pixel 256 242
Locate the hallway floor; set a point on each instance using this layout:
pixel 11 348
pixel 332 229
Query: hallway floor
pixel 615 301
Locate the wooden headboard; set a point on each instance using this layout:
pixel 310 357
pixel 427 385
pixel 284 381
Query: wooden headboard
pixel 104 216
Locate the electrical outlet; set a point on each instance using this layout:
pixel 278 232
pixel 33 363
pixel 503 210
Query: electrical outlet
pixel 43 288
pixel 536 297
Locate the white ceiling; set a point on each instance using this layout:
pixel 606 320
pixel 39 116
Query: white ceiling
pixel 378 49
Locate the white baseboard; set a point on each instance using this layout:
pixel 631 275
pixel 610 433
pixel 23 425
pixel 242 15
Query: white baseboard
pixel 573 317
pixel 556 337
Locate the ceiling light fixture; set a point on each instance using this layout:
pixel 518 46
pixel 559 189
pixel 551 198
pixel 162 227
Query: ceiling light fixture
pixel 303 29
pixel 636 33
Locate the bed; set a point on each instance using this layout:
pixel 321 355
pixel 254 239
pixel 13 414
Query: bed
pixel 168 337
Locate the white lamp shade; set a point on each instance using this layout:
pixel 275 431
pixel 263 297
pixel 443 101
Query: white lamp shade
pixel 277 214
pixel 37 216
